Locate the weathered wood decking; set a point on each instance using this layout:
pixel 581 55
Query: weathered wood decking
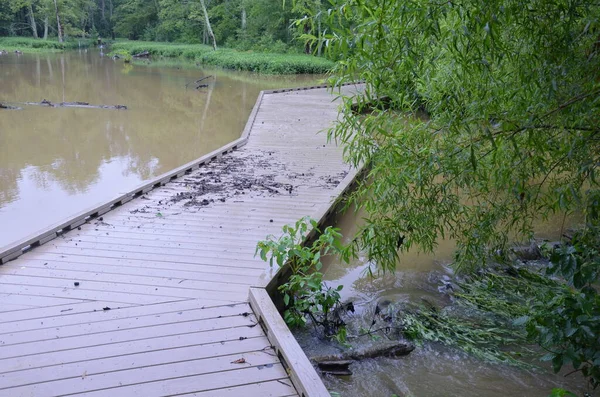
pixel 152 298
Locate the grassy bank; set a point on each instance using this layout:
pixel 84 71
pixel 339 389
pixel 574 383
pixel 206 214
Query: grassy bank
pixel 27 44
pixel 229 58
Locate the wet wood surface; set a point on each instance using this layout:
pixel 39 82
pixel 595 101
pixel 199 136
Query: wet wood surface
pixel 152 298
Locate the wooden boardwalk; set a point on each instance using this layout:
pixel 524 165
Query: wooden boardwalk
pixel 152 298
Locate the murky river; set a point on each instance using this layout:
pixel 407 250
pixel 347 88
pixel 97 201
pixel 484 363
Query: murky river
pixel 55 162
pixel 431 370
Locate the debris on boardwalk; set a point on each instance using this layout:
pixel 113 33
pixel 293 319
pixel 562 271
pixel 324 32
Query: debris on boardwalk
pixel 253 175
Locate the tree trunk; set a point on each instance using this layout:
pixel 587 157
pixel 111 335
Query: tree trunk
pixel 92 18
pixel 244 18
pixel 307 49
pixel 32 22
pixel 320 43
pixel 102 10
pixel 208 28
pixel 46 27
pixel 59 27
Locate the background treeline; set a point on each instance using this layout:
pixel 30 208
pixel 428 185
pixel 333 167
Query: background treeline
pixel 242 24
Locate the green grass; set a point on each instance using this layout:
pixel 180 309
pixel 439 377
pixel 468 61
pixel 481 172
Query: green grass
pixel 30 45
pixel 230 59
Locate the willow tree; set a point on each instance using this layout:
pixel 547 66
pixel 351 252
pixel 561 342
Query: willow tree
pixel 476 118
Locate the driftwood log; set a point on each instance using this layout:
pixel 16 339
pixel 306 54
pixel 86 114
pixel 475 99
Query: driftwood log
pixel 84 105
pixel 143 54
pixel 198 83
pixel 338 364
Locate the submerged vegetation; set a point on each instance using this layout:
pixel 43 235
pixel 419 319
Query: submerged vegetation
pixel 556 305
pixel 481 320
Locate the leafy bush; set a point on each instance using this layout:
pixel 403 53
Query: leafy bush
pixel 568 325
pixel 305 294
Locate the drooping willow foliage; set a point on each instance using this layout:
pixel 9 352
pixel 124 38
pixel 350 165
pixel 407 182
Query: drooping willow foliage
pixel 476 118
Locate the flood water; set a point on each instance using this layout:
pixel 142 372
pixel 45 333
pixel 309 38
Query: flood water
pixel 55 162
pixel 431 370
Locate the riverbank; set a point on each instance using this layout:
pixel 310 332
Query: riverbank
pixel 192 54
pixel 198 54
pixel 31 45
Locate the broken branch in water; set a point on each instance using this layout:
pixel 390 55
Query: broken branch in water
pixel 84 105
pixel 198 81
pixel 8 107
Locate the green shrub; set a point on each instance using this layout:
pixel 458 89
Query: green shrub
pixel 304 294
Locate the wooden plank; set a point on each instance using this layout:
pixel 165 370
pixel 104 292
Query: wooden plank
pixel 190 384
pixel 25 297
pixel 123 370
pixel 221 251
pixel 276 388
pixel 101 324
pixel 50 296
pixel 181 318
pixel 115 239
pixel 190 260
pixel 43 345
pixel 74 307
pixel 7 307
pixel 65 318
pixel 121 348
pixel 136 285
pixel 303 374
pixel 78 260
pixel 115 273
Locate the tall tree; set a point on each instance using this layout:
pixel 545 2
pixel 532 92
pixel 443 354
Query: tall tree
pixel 32 20
pixel 59 26
pixel 208 27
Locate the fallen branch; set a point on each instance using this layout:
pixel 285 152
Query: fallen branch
pixel 198 81
pixel 8 107
pixel 338 364
pixel 395 349
pixel 84 105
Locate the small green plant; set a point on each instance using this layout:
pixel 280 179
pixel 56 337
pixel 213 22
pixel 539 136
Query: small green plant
pixel 305 295
pixel 122 54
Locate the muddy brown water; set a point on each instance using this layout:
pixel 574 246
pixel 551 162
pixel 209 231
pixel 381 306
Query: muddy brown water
pixel 430 370
pixel 55 162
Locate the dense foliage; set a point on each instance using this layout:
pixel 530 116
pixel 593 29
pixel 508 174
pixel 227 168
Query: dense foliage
pixel 567 325
pixel 262 25
pixel 477 119
pixel 490 118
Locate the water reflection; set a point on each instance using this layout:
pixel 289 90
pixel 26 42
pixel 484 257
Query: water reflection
pixel 57 161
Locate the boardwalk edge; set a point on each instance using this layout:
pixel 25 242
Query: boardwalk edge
pixel 303 375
